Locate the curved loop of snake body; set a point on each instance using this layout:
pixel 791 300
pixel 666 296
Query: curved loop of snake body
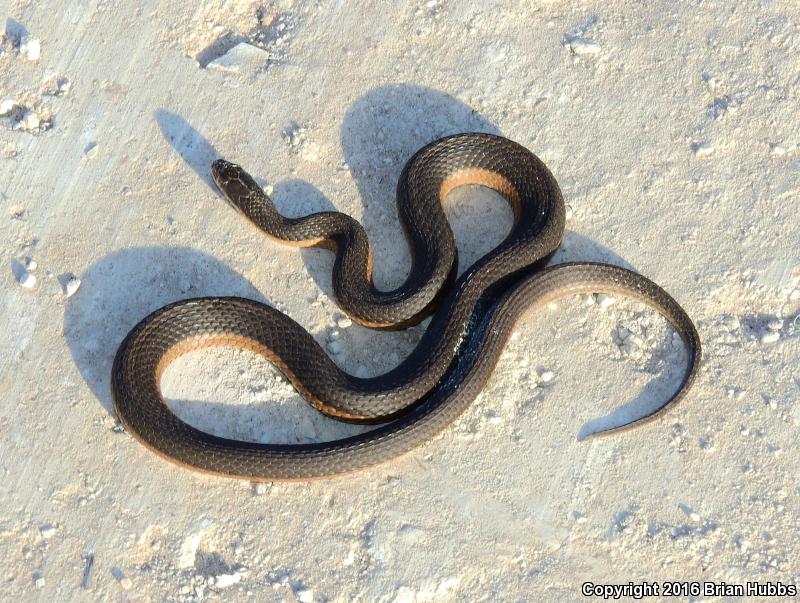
pixel 473 317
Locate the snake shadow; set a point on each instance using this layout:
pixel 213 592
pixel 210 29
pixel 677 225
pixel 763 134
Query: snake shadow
pixel 123 287
pixel 576 247
pixel 660 388
pixel 193 147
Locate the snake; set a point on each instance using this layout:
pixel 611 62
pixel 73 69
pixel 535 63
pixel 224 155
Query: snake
pixel 471 317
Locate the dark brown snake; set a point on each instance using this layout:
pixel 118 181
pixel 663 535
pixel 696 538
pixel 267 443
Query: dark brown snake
pixel 473 317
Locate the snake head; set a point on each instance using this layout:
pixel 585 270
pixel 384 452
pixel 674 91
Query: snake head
pixel 224 172
pixel 234 183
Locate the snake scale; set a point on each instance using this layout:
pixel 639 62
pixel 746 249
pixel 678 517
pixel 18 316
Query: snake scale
pixel 472 317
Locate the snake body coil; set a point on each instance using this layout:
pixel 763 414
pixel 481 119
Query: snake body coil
pixel 473 317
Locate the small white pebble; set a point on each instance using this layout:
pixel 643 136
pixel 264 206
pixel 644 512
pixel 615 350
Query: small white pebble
pixel 30 264
pixel 305 596
pixel 584 47
pixel 39 582
pixel 770 337
pixel 91 150
pixel 344 322
pixel 7 106
pixel 775 324
pixel 515 335
pixel 31 49
pixel 260 489
pixel 569 211
pixel 72 286
pixel 226 580
pixel 47 530
pixel 26 279
pixel 29 121
pixel 694 517
pixel 603 300
pixel 547 376
pixel 126 583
